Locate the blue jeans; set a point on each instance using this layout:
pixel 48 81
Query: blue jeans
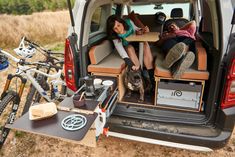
pixel 168 44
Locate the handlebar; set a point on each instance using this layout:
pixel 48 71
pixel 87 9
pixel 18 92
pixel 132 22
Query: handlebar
pixel 50 62
pixel 48 52
pixel 23 62
pixel 44 64
pixel 10 56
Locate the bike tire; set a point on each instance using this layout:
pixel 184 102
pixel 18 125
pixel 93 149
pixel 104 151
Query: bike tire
pixel 33 95
pixel 11 97
pixel 29 99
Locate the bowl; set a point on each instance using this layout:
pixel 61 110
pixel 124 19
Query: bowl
pixel 107 83
pixel 77 102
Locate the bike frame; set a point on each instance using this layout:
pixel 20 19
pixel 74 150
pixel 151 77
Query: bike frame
pixel 27 71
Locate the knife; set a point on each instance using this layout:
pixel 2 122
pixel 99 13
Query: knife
pixel 67 109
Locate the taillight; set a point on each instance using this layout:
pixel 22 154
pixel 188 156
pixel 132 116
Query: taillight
pixel 229 92
pixel 69 67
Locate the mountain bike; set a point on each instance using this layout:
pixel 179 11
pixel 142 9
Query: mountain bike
pixel 52 58
pixel 10 99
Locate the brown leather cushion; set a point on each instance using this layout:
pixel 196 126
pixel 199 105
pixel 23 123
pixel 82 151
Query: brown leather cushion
pixel 191 73
pixel 112 64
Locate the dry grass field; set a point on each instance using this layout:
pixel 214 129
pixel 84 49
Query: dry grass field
pixel 51 27
pixel 45 27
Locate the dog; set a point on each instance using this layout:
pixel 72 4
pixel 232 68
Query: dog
pixel 134 81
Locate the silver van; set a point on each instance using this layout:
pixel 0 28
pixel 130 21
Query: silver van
pixel 194 112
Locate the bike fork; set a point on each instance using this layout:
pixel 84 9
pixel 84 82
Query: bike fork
pixel 17 97
pixel 8 83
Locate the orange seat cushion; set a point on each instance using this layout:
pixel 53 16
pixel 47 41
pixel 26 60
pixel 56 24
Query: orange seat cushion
pixel 201 57
pixel 192 73
pixel 112 64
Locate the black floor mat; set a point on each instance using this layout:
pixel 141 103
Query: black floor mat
pixel 148 98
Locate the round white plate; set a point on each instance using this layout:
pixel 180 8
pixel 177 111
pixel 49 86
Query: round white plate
pixel 107 83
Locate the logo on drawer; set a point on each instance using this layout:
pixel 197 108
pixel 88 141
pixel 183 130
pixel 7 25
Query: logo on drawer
pixel 177 93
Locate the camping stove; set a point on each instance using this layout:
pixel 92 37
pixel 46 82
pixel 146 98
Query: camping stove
pixel 100 94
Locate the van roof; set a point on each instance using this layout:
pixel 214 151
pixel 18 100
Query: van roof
pixel 136 2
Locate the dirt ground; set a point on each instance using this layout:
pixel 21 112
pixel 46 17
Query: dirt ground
pixel 38 146
pixel 20 144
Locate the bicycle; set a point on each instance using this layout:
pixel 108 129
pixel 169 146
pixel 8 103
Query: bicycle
pixel 25 71
pixel 33 95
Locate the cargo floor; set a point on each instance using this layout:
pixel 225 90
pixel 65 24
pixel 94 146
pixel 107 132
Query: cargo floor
pixel 148 98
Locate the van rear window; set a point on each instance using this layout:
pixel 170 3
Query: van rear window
pixel 165 8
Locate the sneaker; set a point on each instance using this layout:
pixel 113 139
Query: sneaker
pixel 147 81
pixel 174 54
pixel 183 65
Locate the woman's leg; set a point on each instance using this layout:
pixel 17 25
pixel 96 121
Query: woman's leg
pixel 190 43
pixel 148 62
pixel 148 57
pixel 168 44
pixel 174 50
pixel 187 60
pixel 131 53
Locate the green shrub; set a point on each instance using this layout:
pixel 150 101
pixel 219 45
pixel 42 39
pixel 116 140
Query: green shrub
pixel 19 134
pixel 38 6
pixel 29 6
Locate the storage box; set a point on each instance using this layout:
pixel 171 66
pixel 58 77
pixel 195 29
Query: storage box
pixel 182 94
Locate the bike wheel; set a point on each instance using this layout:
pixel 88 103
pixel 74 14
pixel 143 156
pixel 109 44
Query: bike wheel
pixel 30 99
pixel 8 108
pixel 33 95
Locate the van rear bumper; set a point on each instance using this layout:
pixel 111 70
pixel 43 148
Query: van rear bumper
pixel 159 142
pixel 129 121
pixel 185 141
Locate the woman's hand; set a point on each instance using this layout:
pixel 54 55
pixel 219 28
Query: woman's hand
pixel 146 29
pixel 134 67
pixel 167 35
pixel 164 34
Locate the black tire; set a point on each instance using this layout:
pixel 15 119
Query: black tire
pixel 33 95
pixel 30 99
pixel 12 98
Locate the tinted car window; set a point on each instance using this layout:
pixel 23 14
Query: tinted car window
pixel 96 19
pixel 166 8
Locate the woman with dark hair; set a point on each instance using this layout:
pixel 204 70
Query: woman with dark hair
pixel 118 30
